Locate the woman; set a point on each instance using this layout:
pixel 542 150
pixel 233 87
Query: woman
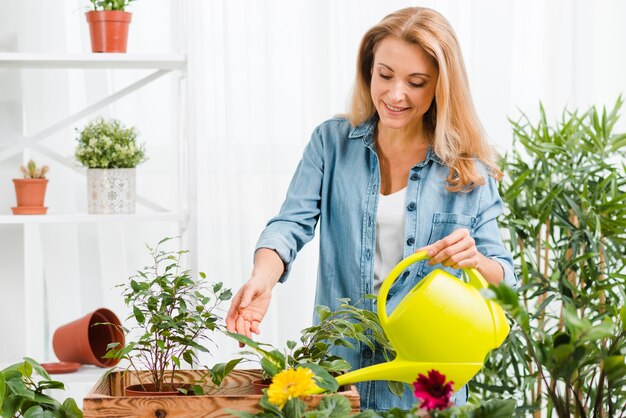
pixel 407 169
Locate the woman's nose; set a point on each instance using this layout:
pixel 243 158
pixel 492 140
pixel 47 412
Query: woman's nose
pixel 397 92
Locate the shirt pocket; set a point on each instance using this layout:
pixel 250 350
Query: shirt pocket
pixel 443 225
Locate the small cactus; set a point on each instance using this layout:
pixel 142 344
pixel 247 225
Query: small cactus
pixel 30 171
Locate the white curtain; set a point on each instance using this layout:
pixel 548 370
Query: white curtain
pixel 263 74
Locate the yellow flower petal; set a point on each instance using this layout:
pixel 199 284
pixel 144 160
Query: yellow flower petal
pixel 289 384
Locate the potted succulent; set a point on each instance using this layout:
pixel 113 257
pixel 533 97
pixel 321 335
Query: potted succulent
pixel 175 315
pixel 30 190
pixel 22 395
pixel 110 152
pixel 108 25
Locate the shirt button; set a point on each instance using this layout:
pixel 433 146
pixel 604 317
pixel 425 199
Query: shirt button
pixel 367 353
pixel 367 254
pixel 415 176
pixel 410 241
pixel 411 207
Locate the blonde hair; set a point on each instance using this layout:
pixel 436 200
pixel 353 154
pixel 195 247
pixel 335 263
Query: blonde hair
pixel 451 124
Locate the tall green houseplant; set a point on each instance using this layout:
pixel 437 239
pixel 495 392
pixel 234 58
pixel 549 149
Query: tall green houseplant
pixel 565 193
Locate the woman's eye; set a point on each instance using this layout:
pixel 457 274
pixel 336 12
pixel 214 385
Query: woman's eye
pixel 417 85
pixel 385 76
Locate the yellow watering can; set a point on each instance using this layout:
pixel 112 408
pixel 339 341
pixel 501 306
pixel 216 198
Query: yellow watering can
pixel 443 323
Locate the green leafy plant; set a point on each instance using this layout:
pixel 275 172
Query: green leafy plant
pixel 22 395
pixel 175 316
pixel 110 4
pixel 31 171
pixel 565 191
pixel 347 326
pixel 106 143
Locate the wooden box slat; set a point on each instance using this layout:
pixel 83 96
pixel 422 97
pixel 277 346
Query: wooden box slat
pixel 236 392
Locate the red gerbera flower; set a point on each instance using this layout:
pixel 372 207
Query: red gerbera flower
pixel 433 390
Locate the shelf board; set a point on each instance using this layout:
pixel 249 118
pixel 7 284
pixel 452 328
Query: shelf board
pixel 18 60
pixel 85 218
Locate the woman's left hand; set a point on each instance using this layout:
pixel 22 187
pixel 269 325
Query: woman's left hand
pixel 458 250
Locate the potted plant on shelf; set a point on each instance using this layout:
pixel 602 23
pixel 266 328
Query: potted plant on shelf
pixel 110 152
pixel 21 395
pixel 108 25
pixel 30 190
pixel 175 315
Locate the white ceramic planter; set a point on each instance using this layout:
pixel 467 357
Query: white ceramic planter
pixel 110 190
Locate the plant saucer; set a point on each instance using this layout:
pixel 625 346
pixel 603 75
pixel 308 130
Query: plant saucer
pixel 29 210
pixel 61 367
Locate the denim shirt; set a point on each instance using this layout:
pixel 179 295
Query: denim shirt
pixel 336 185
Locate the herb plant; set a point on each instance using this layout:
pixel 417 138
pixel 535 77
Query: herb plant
pixel 106 143
pixel 110 4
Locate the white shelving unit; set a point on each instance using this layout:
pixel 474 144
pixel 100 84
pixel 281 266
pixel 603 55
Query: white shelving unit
pixel 32 286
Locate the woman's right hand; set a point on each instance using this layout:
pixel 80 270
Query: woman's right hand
pixel 248 307
pixel 251 302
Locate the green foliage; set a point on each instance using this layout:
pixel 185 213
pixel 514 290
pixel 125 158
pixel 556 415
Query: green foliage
pixel 332 406
pixel 30 171
pixel 108 144
pixel 21 395
pixel 565 191
pixel 495 408
pixel 347 326
pixel 175 315
pixel 110 4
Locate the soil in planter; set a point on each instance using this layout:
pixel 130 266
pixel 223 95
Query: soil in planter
pixel 148 389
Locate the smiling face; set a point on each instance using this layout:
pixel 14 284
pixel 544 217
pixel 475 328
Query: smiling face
pixel 403 84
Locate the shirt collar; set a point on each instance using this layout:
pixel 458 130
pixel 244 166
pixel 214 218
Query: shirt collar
pixel 366 132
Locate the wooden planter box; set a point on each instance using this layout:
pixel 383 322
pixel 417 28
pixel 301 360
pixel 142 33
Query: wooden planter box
pixel 106 398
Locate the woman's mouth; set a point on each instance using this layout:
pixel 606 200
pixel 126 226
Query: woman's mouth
pixel 394 109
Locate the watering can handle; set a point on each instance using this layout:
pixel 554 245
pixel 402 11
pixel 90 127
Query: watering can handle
pixel 475 279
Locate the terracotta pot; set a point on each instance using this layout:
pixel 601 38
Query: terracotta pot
pixel 259 385
pixel 108 30
pixel 30 195
pixel 148 389
pixel 82 342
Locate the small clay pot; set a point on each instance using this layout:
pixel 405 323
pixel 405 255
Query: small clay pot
pixel 148 389
pixel 83 342
pixel 260 384
pixel 108 30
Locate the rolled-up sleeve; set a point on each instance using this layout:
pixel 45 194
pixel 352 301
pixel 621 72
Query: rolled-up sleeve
pixel 295 224
pixel 487 233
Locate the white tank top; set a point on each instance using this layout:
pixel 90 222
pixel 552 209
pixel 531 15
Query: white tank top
pixel 389 235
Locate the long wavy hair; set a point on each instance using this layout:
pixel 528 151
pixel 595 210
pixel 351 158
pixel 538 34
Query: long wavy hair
pixel 451 124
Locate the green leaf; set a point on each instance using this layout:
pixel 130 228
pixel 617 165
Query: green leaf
pixel 335 406
pixel 37 367
pixel 496 408
pixel 18 388
pixel 622 315
pixel 139 316
pixel 323 379
pixel 240 414
pixel 3 389
pixel 220 370
pixel 396 388
pixel 70 409
pixel 294 407
pixel 35 411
